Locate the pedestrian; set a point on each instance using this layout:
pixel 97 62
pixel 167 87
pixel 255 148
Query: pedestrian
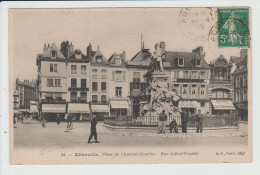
pixel 199 121
pixel 58 119
pixel 162 122
pixel 173 126
pixel 93 129
pixel 43 120
pixel 184 120
pixel 68 120
pixel 71 121
pixel 14 119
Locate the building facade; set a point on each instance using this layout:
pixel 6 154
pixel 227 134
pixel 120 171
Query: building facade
pixel 221 86
pixel 240 77
pixel 52 79
pixel 26 92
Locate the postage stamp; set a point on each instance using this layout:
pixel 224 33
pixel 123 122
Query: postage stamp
pixel 233 27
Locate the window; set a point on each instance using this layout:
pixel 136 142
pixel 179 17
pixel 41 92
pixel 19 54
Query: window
pixel 103 74
pixel 185 74
pixel 103 98
pixel 244 81
pixel 74 82
pixel 118 61
pixel 103 86
pixel 237 96
pixel 53 67
pixel 185 89
pixel 73 96
pixel 194 89
pixel 94 98
pixel 198 64
pixel 49 95
pixel 241 81
pixel 50 82
pixel 194 74
pixel 181 62
pixel 73 69
pixel 119 91
pixel 94 73
pixel 202 90
pixel 123 112
pixel 118 76
pixel 83 96
pixel 57 83
pixel 245 96
pixel 202 104
pixel 58 96
pixel 176 87
pixel 94 86
pixel 53 54
pixel 176 74
pixel 202 75
pixel 241 96
pixel 99 59
pixel 83 69
pixel 237 82
pixel 83 83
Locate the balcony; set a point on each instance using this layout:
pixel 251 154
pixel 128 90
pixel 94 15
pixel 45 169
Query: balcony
pixel 51 100
pixel 221 81
pixel 78 89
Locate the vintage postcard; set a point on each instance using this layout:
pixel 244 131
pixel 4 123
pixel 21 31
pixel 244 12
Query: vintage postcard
pixel 130 85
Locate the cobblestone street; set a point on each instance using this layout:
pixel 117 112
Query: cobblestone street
pixel 30 134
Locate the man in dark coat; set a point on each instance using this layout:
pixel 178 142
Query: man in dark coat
pixel 199 121
pixel 173 126
pixel 93 130
pixel 162 122
pixel 58 119
pixel 184 120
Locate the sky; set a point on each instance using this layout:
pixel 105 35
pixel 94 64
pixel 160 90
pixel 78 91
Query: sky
pixel 112 29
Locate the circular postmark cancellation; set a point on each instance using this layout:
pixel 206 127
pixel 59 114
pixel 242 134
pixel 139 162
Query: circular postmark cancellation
pixel 196 23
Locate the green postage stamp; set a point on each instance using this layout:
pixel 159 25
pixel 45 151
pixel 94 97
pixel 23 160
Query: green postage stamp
pixel 233 27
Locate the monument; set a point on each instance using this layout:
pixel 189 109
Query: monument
pixel 158 95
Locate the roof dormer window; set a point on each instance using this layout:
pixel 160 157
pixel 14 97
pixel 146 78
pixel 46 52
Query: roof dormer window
pixel 53 54
pixel 118 61
pixel 99 59
pixel 198 62
pixel 180 61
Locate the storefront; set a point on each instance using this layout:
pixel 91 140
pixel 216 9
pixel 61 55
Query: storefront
pixel 100 111
pixel 222 107
pixel 189 106
pixel 119 108
pixel 80 111
pixel 51 111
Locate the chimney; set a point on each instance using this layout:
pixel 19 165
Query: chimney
pixel 123 55
pixel 89 50
pixel 198 50
pixel 243 52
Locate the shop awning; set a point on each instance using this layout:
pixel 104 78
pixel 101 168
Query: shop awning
pixel 223 105
pixel 187 104
pixel 54 108
pixel 99 108
pixel 78 108
pixel 119 104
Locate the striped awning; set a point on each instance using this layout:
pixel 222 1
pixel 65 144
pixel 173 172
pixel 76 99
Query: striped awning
pixel 78 108
pixel 119 104
pixel 99 108
pixel 223 105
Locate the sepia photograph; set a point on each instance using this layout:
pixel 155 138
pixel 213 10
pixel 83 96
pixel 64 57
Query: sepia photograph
pixel 130 85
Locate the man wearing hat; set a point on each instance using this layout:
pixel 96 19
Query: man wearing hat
pixel 162 122
pixel 199 121
pixel 93 130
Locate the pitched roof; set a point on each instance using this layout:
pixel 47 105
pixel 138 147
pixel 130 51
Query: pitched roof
pixel 188 57
pixel 73 56
pixel 142 55
pixel 112 59
pixel 47 52
pixel 98 54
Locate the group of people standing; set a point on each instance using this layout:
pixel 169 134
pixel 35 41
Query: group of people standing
pixel 185 117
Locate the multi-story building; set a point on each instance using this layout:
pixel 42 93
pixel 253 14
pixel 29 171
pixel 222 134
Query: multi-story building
pixel 16 101
pixel 99 82
pixel 221 86
pixel 240 77
pixel 27 92
pixel 78 83
pixel 119 87
pixel 52 79
pixel 190 78
pixel 137 68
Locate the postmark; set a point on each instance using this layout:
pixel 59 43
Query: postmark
pixel 196 23
pixel 233 28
